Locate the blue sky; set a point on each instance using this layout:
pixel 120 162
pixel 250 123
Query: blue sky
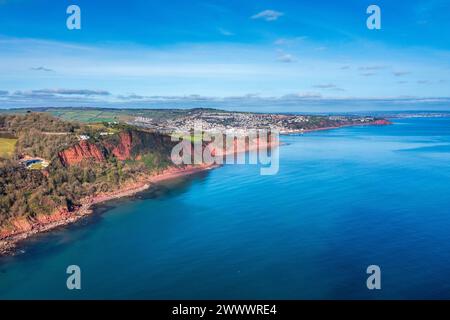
pixel 280 55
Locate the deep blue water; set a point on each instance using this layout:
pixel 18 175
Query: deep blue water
pixel 343 200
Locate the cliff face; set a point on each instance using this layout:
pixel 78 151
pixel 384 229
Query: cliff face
pixel 241 146
pixel 128 144
pixel 123 150
pixel 382 122
pixel 80 152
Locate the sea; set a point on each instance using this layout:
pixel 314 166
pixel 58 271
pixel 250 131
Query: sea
pixel 343 200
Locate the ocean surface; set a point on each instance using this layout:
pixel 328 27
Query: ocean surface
pixel 343 200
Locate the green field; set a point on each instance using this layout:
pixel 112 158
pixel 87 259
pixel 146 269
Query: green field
pixel 92 115
pixel 7 147
pixel 100 115
pixel 89 116
pixel 192 137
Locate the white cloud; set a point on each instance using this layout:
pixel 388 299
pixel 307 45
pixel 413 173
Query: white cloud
pixel 268 15
pixel 217 69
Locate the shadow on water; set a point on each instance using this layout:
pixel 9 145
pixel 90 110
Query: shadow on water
pixel 56 239
pixel 160 191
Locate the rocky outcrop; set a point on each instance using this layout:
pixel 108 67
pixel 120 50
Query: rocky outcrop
pixel 381 122
pixel 80 152
pixel 27 225
pixel 22 228
pixel 123 150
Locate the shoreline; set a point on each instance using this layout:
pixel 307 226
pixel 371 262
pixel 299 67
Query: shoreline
pixel 62 218
pixel 377 123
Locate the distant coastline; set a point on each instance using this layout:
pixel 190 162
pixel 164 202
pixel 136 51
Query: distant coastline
pixel 377 123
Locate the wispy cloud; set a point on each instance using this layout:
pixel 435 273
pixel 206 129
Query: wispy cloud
pixel 328 86
pixel 218 69
pixel 303 101
pixel 401 73
pixel 371 68
pixel 41 69
pixel 268 15
pixel 225 32
pixel 325 86
pixel 289 41
pixel 302 96
pixel 368 74
pixel 286 58
pixel 70 92
pixel 131 97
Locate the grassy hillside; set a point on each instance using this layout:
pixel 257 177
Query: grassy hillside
pixel 99 115
pixel 7 147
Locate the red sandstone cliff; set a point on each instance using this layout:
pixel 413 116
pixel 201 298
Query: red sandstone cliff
pixel 123 150
pixel 243 145
pixel 81 151
pixel 85 150
pixel 128 144
pixel 381 122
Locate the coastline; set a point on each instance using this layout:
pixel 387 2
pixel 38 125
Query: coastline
pixel 62 217
pixel 24 228
pixel 376 123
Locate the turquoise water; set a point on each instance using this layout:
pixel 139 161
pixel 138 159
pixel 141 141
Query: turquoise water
pixel 343 200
